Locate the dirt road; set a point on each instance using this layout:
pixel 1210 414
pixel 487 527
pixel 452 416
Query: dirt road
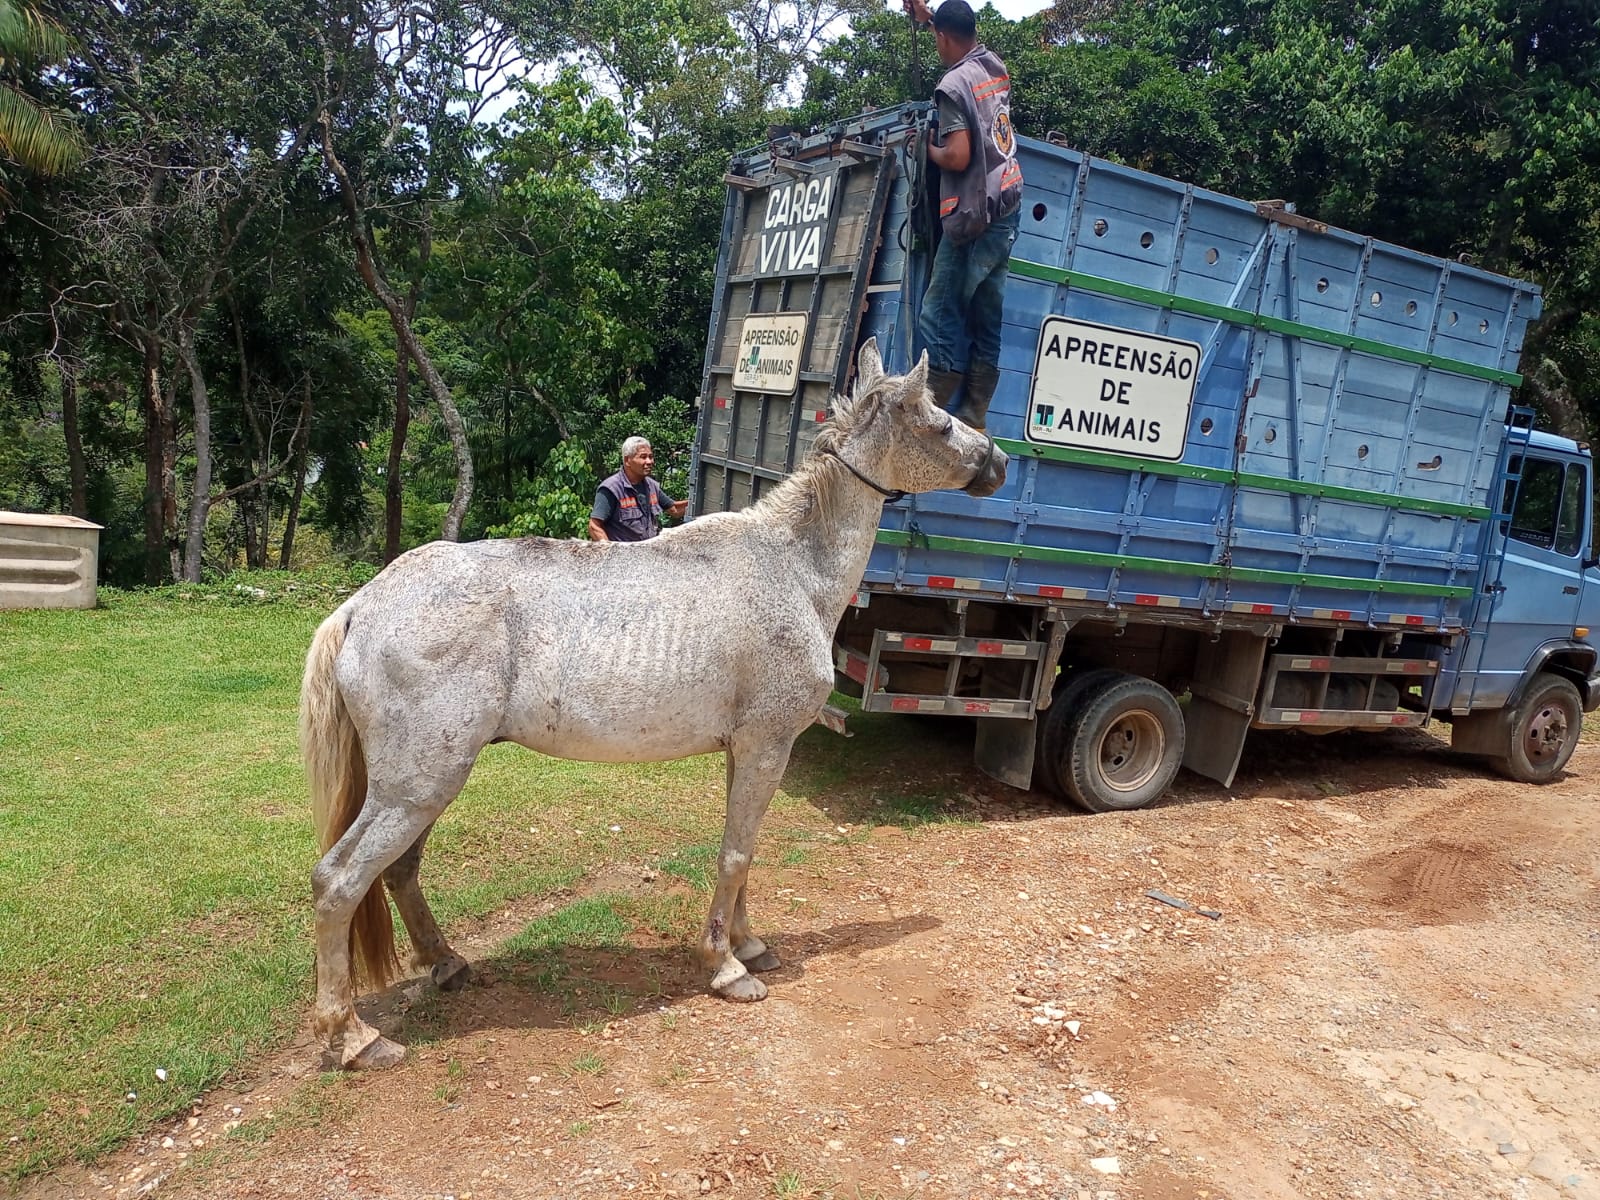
pixel 1398 1000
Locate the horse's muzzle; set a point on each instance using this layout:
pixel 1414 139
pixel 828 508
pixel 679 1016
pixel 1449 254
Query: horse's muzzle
pixel 991 473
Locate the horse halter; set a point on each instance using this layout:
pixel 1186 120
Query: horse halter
pixel 895 495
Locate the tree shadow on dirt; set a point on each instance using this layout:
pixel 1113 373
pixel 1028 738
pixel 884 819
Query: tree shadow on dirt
pixel 583 988
pixel 910 771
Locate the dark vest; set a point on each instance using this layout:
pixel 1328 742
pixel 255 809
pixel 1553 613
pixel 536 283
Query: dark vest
pixel 637 516
pixel 991 186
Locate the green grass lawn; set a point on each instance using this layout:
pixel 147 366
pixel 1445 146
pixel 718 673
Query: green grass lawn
pixel 156 846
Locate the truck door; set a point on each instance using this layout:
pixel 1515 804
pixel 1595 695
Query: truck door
pixel 800 231
pixel 1536 597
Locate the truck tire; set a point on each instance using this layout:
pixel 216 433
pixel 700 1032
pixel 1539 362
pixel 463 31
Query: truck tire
pixel 1053 736
pixel 1124 745
pixel 1545 727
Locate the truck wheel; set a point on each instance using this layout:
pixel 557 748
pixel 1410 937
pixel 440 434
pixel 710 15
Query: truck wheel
pixel 1053 735
pixel 1545 727
pixel 1124 745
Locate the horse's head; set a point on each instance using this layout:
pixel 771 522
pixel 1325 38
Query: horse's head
pixel 892 425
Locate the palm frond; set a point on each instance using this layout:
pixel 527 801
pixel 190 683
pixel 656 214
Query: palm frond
pixel 28 35
pixel 35 138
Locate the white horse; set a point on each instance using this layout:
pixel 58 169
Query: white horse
pixel 714 636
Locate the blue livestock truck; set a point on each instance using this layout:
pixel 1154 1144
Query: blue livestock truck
pixel 1265 473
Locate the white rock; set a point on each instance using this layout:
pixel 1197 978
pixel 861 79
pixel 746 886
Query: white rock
pixel 1073 1027
pixel 1106 1166
pixel 161 1074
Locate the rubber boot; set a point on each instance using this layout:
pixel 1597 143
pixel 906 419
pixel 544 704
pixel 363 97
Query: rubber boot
pixel 981 381
pixel 943 385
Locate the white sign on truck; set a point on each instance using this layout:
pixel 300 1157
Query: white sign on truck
pixel 1096 387
pixel 770 345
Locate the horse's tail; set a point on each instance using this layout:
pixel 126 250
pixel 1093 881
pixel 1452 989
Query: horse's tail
pixel 337 770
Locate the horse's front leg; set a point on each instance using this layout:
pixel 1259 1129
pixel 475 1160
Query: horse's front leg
pixel 755 954
pixel 755 765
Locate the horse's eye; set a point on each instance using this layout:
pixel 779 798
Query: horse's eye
pixel 948 426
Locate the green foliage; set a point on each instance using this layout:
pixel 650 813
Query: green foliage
pixel 555 503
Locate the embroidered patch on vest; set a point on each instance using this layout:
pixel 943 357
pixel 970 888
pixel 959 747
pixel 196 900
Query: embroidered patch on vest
pixel 1005 139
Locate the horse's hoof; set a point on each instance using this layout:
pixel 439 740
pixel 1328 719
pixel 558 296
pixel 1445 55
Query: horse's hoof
pixel 746 988
pixel 765 961
pixel 451 974
pixel 377 1055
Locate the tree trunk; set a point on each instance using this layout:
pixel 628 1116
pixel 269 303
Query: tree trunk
pixel 366 263
pixel 249 518
pixel 69 422
pixel 200 502
pixel 255 507
pixel 292 517
pixel 155 423
pixel 169 475
pixel 393 493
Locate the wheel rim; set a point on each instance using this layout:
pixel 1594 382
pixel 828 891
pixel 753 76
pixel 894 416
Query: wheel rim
pixel 1130 751
pixel 1547 734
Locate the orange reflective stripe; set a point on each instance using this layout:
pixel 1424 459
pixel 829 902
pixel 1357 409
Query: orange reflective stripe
pixel 990 86
pixel 1012 174
pixel 949 206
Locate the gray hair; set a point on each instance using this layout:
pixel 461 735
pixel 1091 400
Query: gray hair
pixel 633 445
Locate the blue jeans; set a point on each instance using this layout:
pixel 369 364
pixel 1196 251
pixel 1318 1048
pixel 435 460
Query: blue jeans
pixel 965 291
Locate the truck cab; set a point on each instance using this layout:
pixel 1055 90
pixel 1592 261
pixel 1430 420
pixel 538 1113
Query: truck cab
pixel 1537 616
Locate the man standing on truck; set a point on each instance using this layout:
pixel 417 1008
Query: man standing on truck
pixel 628 506
pixel 980 203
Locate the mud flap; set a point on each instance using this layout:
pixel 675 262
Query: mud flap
pixel 1487 733
pixel 1222 704
pixel 1004 751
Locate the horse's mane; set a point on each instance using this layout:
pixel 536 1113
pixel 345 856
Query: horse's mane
pixel 810 493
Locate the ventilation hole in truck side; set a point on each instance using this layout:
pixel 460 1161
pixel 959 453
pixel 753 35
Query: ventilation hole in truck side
pixel 1271 435
pixel 1039 212
pixel 1212 256
pixel 1322 284
pixel 1453 318
pixel 1206 427
pixel 1362 451
pixel 1483 326
pixel 1433 464
pixel 1377 299
pixel 1100 227
pixel 1411 308
pixel 1147 239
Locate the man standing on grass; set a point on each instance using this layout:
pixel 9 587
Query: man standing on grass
pixel 628 506
pixel 980 204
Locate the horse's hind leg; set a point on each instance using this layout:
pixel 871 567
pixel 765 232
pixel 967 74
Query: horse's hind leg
pixel 448 969
pixel 393 819
pixel 754 769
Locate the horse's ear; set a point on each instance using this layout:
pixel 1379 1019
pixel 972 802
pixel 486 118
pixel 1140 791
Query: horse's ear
pixel 869 365
pixel 916 381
